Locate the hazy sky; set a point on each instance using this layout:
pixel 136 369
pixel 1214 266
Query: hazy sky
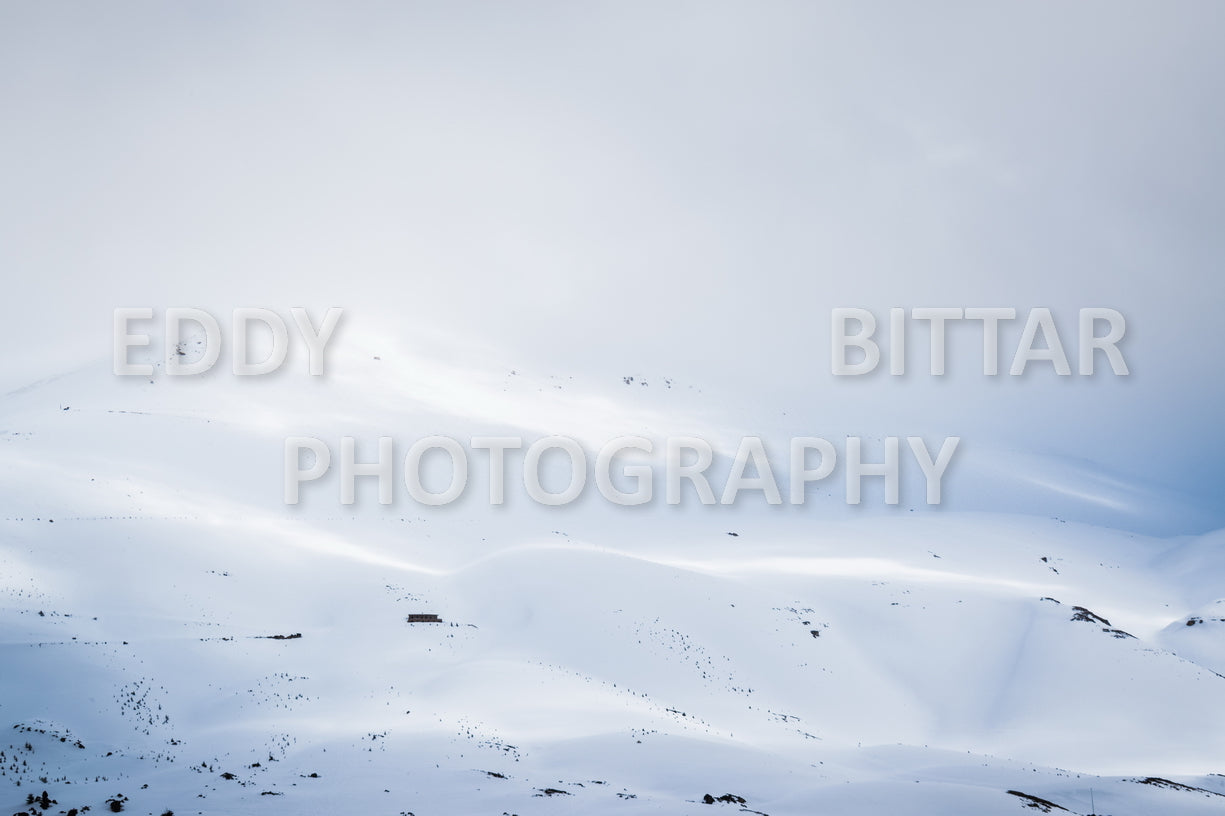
pixel 676 189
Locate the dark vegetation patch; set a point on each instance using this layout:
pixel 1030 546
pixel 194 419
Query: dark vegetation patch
pixel 1037 802
pixel 1079 613
pixel 1158 782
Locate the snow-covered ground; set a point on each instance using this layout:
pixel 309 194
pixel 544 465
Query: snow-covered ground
pixel 174 635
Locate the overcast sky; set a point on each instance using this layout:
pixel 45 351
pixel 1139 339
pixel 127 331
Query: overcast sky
pixel 676 189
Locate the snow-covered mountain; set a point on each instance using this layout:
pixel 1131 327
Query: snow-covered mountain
pixel 177 638
pixel 601 220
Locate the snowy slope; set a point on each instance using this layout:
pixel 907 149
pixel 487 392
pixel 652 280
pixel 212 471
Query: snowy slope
pixel 167 620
